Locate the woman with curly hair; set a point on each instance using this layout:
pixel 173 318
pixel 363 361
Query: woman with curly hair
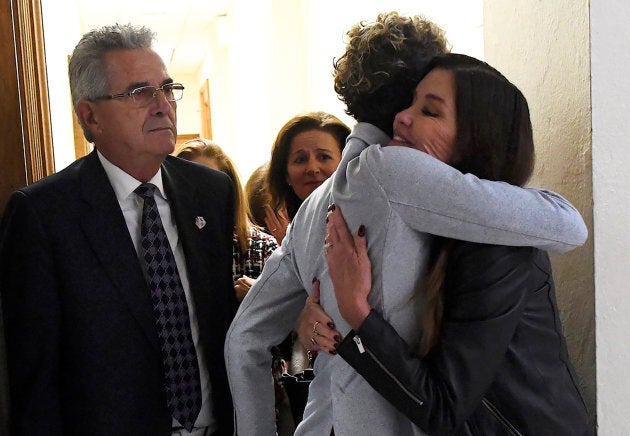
pixel 381 64
pixel 403 196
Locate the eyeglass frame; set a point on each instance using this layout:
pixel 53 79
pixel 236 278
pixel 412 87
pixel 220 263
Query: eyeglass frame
pixel 130 94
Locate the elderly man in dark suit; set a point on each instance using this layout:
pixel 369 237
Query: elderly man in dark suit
pixel 115 273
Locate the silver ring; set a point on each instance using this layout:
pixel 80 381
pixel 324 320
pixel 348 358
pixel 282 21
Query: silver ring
pixel 313 341
pixel 327 245
pixel 315 332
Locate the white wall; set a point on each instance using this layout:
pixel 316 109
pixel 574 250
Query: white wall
pixel 610 69
pixel 61 33
pixel 188 110
pixel 545 51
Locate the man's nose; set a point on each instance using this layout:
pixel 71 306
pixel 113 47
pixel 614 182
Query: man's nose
pixel 160 103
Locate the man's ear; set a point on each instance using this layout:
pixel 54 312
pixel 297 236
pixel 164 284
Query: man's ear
pixel 87 117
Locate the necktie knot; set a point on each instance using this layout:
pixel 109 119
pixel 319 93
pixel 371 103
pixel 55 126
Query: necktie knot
pixel 146 190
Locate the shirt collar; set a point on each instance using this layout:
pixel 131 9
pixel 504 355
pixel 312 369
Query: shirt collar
pixel 123 183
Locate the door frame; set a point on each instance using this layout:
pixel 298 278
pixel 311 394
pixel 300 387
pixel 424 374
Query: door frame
pixel 28 155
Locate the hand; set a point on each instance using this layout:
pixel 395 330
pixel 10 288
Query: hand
pixel 276 222
pixel 242 287
pixel 314 323
pixel 349 267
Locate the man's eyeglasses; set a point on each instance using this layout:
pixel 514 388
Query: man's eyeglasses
pixel 144 95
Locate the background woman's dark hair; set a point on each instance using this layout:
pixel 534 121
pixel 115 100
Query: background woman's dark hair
pixel 281 194
pixel 494 142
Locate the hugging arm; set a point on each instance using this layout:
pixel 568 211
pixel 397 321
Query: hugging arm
pixel 264 319
pixel 433 197
pixel 439 392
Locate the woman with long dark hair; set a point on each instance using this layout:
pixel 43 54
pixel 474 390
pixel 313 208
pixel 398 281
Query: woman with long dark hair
pixel 492 358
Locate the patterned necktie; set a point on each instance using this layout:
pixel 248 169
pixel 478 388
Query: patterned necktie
pixel 181 370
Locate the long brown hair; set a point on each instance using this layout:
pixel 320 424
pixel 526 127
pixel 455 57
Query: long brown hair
pixel 195 148
pixel 494 142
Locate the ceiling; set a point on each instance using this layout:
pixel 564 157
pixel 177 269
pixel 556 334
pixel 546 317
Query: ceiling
pixel 183 27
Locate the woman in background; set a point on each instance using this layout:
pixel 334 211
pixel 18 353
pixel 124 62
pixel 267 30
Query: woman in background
pixel 305 153
pixel 257 197
pixel 251 246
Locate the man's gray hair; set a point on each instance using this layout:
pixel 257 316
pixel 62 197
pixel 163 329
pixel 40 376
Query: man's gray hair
pixel 87 71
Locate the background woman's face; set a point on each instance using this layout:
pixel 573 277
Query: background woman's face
pixel 313 156
pixel 430 123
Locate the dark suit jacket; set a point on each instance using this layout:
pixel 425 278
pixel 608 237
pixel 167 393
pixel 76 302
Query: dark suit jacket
pixel 83 352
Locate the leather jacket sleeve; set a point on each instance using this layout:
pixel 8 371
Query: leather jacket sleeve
pixel 485 294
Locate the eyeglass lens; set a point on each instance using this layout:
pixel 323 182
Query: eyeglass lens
pixel 145 94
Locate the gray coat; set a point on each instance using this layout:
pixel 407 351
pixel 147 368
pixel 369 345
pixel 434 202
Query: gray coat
pixel 402 196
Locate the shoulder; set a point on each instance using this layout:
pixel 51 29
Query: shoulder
pixel 193 170
pixel 486 281
pixel 62 189
pixel 474 265
pixel 465 253
pixel 197 180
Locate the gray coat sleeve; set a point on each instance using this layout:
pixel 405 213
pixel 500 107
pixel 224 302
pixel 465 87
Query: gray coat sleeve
pixel 433 197
pixel 265 317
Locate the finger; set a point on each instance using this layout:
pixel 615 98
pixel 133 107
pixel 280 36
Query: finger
pixel 338 229
pixel 244 282
pixel 240 292
pixel 283 218
pixel 360 244
pixel 327 343
pixel 314 297
pixel 271 219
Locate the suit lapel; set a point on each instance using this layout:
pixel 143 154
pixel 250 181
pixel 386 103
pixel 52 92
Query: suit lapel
pixel 105 228
pixel 184 201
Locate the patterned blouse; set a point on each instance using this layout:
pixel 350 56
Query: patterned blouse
pixel 261 245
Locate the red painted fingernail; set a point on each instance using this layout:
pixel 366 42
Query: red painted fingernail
pixel 326 220
pixel 337 339
pixel 333 352
pixel 331 325
pixel 361 230
pixel 331 207
pixel 314 279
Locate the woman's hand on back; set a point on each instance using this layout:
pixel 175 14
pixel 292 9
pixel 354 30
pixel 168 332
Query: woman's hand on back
pixel 316 330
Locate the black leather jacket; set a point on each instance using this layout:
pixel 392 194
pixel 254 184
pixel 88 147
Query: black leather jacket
pixel 501 365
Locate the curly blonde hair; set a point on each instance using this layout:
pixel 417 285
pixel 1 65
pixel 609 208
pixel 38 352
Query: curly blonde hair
pixel 381 66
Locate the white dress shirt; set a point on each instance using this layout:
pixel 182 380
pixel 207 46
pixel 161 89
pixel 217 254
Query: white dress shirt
pixel 131 205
